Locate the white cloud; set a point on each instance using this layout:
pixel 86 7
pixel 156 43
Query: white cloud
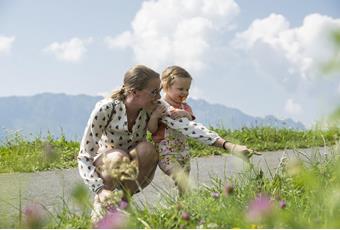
pixel 302 50
pixel 70 51
pixel 292 108
pixel 338 90
pixel 121 41
pixel 6 44
pixel 174 31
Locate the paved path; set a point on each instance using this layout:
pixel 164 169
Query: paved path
pixel 51 187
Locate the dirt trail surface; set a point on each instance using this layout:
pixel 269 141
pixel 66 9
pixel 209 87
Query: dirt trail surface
pixel 50 188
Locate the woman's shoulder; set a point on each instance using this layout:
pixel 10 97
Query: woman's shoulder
pixel 107 104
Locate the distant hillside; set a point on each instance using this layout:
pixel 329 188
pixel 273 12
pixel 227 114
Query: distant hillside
pixel 59 113
pixel 221 116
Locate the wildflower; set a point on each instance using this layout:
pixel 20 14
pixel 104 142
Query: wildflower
pixel 34 216
pixel 294 167
pixel 185 215
pixel 123 204
pixel 114 199
pixel 259 208
pixel 283 163
pixel 182 180
pixel 283 204
pixel 215 195
pixel 228 189
pixel 119 170
pixel 112 219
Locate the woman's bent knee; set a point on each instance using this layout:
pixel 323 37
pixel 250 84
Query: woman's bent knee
pixel 147 150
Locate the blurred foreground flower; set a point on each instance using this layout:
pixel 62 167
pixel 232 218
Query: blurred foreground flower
pixel 119 169
pixel 228 189
pixel 215 195
pixel 123 204
pixel 259 208
pixel 283 204
pixel 185 215
pixel 182 181
pixel 34 216
pixel 112 219
pixel 80 195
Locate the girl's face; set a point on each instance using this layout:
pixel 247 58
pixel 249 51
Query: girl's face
pixel 149 96
pixel 179 90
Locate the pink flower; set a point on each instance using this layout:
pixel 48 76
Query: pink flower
pixel 123 204
pixel 283 204
pixel 34 216
pixel 259 208
pixel 185 216
pixel 112 219
pixel 215 195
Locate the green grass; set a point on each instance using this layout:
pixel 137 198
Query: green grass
pixel 18 154
pixel 310 189
pixel 270 139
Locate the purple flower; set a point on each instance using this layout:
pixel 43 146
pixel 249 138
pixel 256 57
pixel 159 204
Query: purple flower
pixel 185 215
pixel 215 195
pixel 228 189
pixel 259 208
pixel 112 219
pixel 34 216
pixel 283 204
pixel 123 204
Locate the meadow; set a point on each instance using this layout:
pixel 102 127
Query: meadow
pixel 19 154
pixel 301 193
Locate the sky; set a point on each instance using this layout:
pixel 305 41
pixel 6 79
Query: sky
pixel 263 57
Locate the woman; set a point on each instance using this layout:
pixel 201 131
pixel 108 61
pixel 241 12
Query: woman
pixel 115 134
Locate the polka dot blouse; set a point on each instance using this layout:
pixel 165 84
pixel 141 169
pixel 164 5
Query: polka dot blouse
pixel 106 129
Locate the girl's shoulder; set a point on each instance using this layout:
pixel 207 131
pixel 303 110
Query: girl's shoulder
pixel 164 102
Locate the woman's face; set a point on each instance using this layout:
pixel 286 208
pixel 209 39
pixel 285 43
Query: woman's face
pixel 149 96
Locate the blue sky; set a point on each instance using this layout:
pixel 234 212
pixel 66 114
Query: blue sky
pixel 262 57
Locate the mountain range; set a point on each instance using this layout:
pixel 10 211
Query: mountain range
pixel 68 114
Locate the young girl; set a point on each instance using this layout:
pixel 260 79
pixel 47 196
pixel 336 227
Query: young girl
pixel 171 142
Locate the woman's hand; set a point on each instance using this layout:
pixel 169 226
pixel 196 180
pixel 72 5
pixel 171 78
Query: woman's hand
pixel 178 113
pixel 159 112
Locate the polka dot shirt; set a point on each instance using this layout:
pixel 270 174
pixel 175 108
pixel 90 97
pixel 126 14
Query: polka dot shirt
pixel 106 129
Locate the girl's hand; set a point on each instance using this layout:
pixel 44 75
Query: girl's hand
pixel 241 151
pixel 179 113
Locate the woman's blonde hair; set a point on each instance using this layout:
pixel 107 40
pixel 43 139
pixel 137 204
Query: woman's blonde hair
pixel 169 74
pixel 136 78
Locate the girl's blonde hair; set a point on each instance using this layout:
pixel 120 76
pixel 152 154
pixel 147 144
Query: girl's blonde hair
pixel 169 74
pixel 136 78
